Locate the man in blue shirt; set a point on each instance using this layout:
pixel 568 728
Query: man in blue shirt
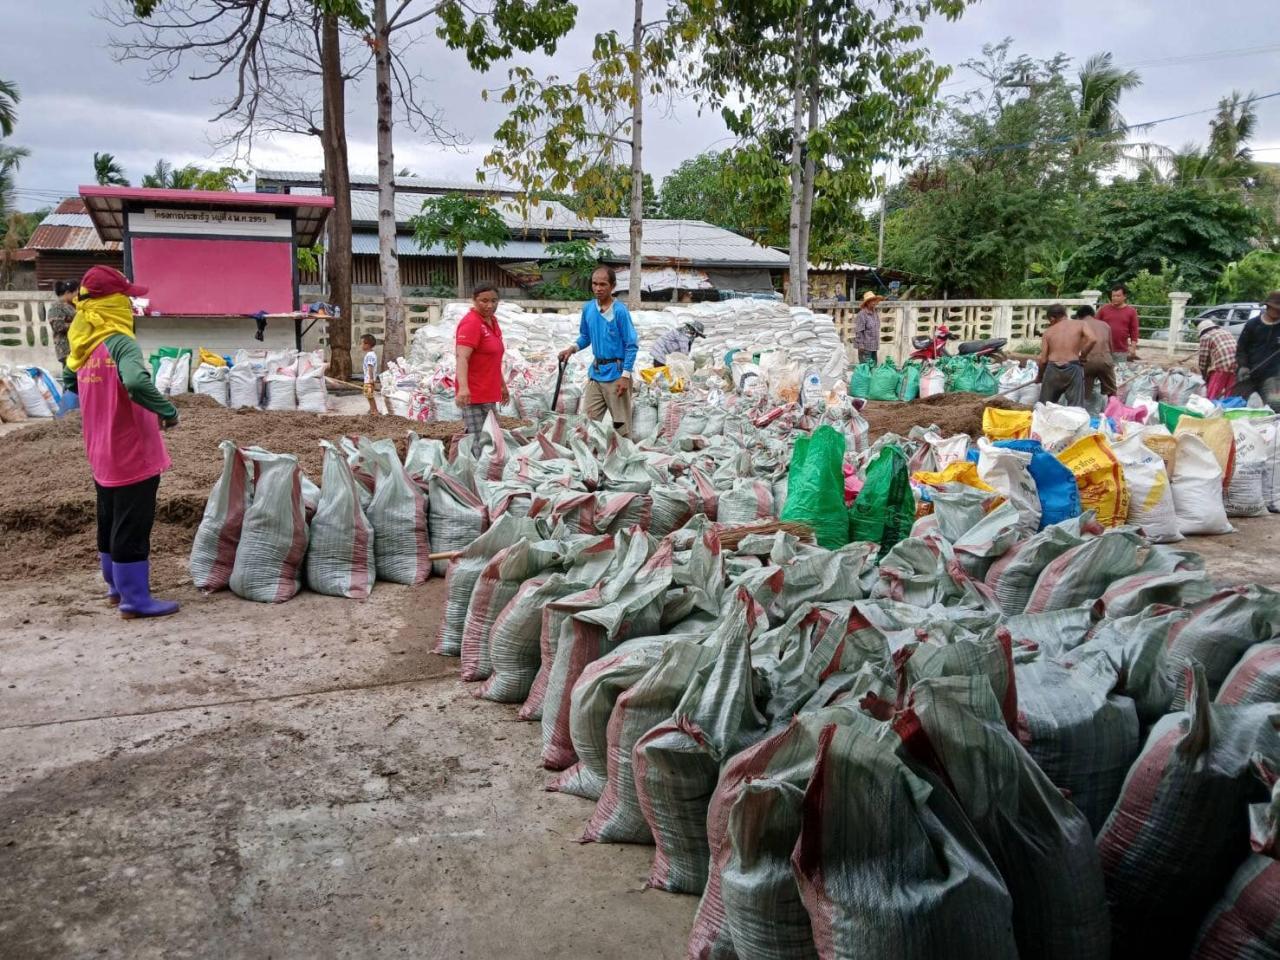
pixel 607 329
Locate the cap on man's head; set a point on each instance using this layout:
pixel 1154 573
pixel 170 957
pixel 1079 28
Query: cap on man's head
pixel 1203 326
pixel 1273 298
pixel 103 281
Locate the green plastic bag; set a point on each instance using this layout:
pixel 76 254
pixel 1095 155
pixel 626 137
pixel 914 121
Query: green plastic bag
pixel 984 382
pixel 860 382
pixel 884 382
pixel 1170 415
pixel 909 385
pixel 815 487
pixel 161 353
pixel 966 376
pixel 886 508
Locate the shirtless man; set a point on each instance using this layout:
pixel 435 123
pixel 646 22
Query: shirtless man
pixel 1065 345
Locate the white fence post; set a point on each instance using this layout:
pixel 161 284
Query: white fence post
pixel 1177 310
pixel 1093 296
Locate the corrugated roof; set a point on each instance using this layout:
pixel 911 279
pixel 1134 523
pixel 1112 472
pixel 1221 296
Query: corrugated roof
pixel 366 244
pixel 426 184
pixel 72 231
pixel 364 209
pixel 695 242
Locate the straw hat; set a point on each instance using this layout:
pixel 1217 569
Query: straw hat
pixel 1203 326
pixel 870 299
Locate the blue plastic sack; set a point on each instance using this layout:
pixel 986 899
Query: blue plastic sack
pixel 1231 403
pixel 1055 483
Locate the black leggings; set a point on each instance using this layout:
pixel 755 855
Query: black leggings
pixel 125 517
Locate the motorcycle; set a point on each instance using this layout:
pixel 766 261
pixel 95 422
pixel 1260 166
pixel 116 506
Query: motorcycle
pixel 931 348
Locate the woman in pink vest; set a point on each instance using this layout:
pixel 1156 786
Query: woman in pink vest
pixel 122 413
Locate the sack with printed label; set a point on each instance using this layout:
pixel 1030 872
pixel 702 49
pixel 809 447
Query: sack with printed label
pixel 1099 477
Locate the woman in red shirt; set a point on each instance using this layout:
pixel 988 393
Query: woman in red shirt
pixel 481 386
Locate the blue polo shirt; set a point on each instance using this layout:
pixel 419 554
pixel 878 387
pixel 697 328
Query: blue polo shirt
pixel 611 338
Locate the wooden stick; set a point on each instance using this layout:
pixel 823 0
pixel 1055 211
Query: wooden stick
pixel 447 555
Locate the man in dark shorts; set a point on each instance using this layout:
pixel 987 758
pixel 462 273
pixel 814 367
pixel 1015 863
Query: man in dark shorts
pixel 1100 368
pixel 1066 344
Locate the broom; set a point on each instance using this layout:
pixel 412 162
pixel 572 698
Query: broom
pixel 732 536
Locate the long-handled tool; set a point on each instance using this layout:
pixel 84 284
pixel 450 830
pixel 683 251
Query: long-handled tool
pixel 555 398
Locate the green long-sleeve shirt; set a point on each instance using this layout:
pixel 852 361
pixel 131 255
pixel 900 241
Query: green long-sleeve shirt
pixel 134 374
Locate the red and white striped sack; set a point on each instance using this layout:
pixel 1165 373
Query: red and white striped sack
pixel 340 561
pixel 1220 631
pixel 1179 830
pixel 497 584
pixel 1083 573
pixel 1014 576
pixel 455 517
pixel 398 512
pixel 745 502
pixel 213 552
pixel 273 538
pixel 1256 678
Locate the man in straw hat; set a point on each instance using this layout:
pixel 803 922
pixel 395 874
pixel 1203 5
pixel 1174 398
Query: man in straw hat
pixel 1217 359
pixel 1258 354
pixel 866 327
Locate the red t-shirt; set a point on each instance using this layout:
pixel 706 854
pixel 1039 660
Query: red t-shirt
pixel 484 372
pixel 1123 322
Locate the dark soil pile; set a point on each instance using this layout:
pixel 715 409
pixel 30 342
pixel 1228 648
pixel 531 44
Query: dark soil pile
pixel 47 500
pixel 951 412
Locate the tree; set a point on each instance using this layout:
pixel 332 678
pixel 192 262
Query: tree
pixel 562 135
pixel 107 172
pixel 1232 127
pixel 1102 84
pixel 712 187
pixel 457 220
pixel 1251 278
pixel 9 98
pixel 844 79
pixel 1140 225
pixel 10 160
pixel 605 191
pixel 166 176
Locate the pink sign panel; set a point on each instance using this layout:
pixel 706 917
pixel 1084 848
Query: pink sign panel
pixel 212 277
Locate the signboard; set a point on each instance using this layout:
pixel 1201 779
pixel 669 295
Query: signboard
pixel 211 223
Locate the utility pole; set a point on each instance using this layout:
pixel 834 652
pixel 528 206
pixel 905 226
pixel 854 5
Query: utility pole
pixel 880 247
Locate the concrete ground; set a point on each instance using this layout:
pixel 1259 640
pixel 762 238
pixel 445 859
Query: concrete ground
pixel 304 781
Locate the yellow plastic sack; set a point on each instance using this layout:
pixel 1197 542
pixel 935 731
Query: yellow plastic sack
pixel 962 471
pixel 211 358
pixel 1000 424
pixel 1217 435
pixel 651 374
pixel 1099 477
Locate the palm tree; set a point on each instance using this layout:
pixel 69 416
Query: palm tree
pixel 1102 84
pixel 9 98
pixel 10 160
pixel 107 172
pixel 161 177
pixel 1233 127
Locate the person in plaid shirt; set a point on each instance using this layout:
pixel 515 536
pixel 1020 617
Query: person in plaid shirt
pixel 1217 359
pixel 866 328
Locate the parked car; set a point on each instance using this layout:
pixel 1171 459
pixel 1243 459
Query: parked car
pixel 1230 316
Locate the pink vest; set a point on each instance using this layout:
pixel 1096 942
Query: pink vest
pixel 121 439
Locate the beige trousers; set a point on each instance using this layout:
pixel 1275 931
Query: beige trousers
pixel 600 398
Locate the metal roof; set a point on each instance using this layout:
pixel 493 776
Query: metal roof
pixel 105 206
pixel 310 178
pixel 366 244
pixel 693 242
pixel 364 209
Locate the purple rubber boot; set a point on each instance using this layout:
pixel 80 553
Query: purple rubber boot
pixel 113 595
pixel 133 580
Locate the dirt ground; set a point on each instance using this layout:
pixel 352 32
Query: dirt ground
pixel 952 413
pixel 301 781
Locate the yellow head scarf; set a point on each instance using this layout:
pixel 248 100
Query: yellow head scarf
pixel 96 319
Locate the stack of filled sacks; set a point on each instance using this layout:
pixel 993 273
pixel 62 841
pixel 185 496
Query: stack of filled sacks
pixel 951 718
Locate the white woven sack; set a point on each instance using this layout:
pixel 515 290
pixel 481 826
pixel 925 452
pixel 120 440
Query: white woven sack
pixel 211 381
pixel 340 558
pixel 310 389
pixel 244 385
pixel 213 552
pixel 273 539
pixel 1006 471
pixel 1245 495
pixel 1056 426
pixel 33 401
pixel 1151 504
pixel 1269 431
pixel 1197 489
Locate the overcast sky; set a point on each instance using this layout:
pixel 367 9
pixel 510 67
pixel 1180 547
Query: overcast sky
pixel 76 99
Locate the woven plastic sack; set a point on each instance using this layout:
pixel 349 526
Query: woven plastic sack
pixel 213 552
pixel 960 472
pixel 909 385
pixel 1000 424
pixel 677 763
pixel 1041 844
pixel 456 516
pixel 465 569
pixel 1013 577
pixel 244 384
pixel 33 401
pixel 1080 734
pixel 885 508
pixel 649 701
pixel 1245 922
pixel 627 602
pixel 1218 436
pixel 1055 484
pixel 964 375
pixel 860 381
pixel 884 381
pixel 1187 793
pixel 933 382
pixel 211 381
pixel 1269 432
pixel 815 487
pixel 1099 477
pixel 748 501
pixel 958 506
pixel 1008 473
pixel 281 390
pixel 1220 630
pixel 988 540
pixel 311 391
pixel 1132 649
pixel 498 582
pixel 897 870
pixel 1245 494
pixel 1255 679
pixel 1197 489
pixel 273 537
pixel 398 512
pixel 591 706
pixel 1057 426
pixel 340 560
pixel 673 507
pixel 1084 572
pixel 1150 491
pixel 984 380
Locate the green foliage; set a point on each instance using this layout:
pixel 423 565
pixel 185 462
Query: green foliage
pixel 438 285
pixel 456 220
pixel 309 258
pixel 1152 288
pixel 573 261
pixel 9 97
pixel 107 172
pixel 604 190
pixel 739 190
pixel 191 177
pixel 508 25
pixel 10 160
pixel 1250 278
pixel 1135 226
